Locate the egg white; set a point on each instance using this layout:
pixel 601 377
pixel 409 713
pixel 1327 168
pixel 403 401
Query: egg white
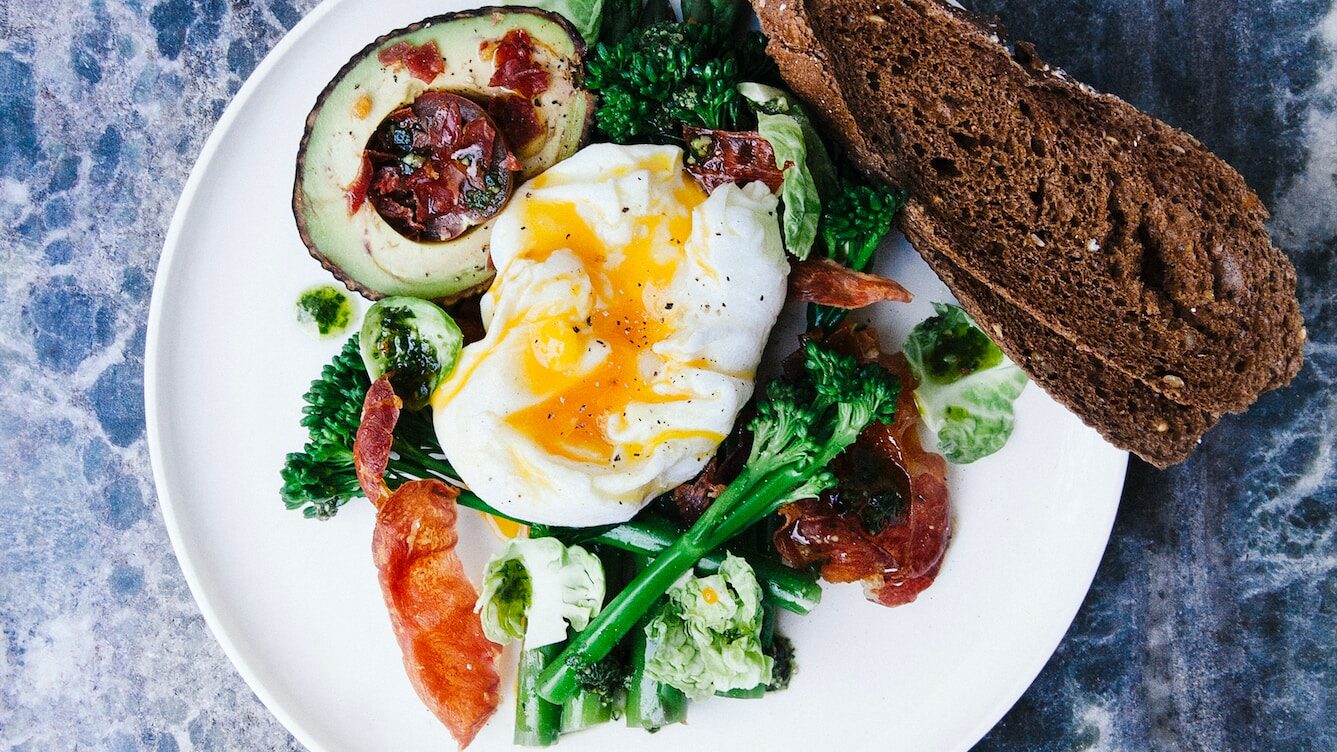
pixel 712 287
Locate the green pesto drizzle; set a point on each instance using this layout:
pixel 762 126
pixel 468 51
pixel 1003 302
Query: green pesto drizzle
pixel 325 309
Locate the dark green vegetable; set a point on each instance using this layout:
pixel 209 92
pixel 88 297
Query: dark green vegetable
pixel 660 77
pixel 538 723
pixel 321 478
pixel 720 17
pixel 782 652
pixel 656 11
pixel 619 18
pixel 584 710
pixel 600 696
pixel 797 431
pixel 853 224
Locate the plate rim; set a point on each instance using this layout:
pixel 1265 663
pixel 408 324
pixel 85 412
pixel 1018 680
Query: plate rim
pixel 152 342
pixel 153 427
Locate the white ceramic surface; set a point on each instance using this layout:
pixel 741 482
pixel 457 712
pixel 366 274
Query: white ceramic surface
pixel 295 603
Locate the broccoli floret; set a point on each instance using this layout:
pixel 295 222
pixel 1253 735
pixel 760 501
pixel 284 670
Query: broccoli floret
pixel 321 478
pixel 797 431
pixel 660 77
pixel 852 225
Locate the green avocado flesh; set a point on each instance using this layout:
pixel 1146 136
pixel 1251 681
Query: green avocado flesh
pixel 360 247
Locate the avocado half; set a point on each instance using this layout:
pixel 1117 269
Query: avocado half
pixel 359 247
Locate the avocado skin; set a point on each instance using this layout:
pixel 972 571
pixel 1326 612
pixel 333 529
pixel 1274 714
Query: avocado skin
pixel 299 198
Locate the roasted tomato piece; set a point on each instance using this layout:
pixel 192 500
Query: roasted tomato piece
pixel 886 523
pixel 438 167
pixel 717 157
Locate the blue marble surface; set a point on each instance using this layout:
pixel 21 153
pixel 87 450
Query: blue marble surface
pixel 1212 624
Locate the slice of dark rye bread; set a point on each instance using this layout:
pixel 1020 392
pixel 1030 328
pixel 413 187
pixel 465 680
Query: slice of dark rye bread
pixel 1124 410
pixel 1116 232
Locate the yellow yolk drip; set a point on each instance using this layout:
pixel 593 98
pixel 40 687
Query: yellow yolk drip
pixel 504 528
pixel 710 596
pixel 571 421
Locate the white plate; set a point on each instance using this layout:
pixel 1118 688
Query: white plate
pixel 296 604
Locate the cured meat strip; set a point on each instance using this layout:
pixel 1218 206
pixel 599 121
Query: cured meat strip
pixel 375 436
pixel 451 664
pixel 825 282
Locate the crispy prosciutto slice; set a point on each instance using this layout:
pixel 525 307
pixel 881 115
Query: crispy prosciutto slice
pixel 717 157
pixel 516 68
pixel 375 436
pixel 423 61
pixel 887 521
pixel 826 282
pixel 451 664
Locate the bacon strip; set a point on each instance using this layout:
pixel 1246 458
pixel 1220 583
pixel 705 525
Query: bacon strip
pixel 375 436
pixel 451 664
pixel 900 560
pixel 826 282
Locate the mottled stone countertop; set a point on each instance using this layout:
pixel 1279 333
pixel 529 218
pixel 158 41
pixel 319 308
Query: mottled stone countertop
pixel 1212 624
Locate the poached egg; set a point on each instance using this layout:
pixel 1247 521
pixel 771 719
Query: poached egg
pixel 624 330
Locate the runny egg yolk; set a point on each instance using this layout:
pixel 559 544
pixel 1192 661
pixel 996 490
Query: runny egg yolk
pixel 572 420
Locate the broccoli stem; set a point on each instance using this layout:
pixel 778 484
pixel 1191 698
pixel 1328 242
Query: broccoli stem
pixel 794 435
pixel 650 704
pixel 538 723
